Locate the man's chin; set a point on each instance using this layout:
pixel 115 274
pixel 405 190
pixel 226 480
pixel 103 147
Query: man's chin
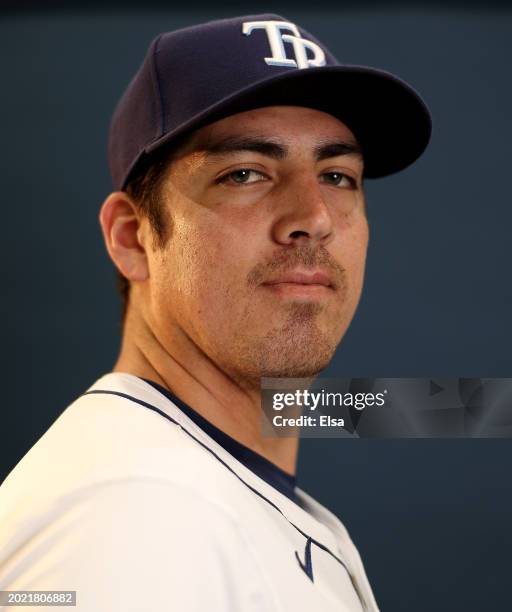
pixel 301 346
pixel 300 360
pixel 294 370
pixel 279 365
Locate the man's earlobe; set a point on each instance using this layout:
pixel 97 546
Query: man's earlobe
pixel 120 224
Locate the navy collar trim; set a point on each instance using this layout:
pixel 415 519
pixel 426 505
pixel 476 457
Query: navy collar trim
pixel 269 472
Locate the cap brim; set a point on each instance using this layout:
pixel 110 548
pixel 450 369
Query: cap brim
pixel 387 116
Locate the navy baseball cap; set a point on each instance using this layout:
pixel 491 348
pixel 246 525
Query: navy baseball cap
pixel 199 74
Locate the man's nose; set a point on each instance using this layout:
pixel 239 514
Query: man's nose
pixel 302 213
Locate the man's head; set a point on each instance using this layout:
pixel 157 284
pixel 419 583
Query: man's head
pixel 252 206
pixel 238 153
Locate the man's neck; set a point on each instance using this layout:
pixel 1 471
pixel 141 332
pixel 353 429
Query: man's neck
pixel 182 368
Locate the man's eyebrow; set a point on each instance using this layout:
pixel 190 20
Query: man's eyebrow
pixel 275 150
pixel 333 149
pixel 236 144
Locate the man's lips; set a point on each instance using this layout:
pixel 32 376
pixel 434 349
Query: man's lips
pixel 302 278
pixel 301 285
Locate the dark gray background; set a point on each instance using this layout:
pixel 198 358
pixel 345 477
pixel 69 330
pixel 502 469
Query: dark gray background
pixel 431 518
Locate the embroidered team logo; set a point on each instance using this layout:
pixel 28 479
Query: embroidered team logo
pixel 276 38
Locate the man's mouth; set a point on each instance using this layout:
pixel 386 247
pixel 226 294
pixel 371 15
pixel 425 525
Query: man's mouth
pixel 299 283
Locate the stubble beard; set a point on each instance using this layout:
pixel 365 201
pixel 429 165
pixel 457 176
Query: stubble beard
pixel 298 348
pixel 303 337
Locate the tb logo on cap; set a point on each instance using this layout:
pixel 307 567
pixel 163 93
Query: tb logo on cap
pixel 276 39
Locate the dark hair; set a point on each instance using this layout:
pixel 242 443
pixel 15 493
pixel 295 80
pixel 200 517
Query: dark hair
pixel 144 186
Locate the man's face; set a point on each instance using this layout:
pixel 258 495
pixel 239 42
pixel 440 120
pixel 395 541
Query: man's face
pixel 263 267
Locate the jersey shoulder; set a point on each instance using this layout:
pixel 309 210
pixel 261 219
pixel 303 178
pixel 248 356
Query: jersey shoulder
pixel 107 437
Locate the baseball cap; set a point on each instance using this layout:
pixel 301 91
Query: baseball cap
pixel 196 75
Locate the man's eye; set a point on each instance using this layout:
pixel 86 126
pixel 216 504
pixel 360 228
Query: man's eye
pixel 339 179
pixel 242 176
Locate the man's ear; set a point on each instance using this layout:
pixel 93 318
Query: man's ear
pixel 121 229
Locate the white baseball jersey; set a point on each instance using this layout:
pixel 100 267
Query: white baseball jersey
pixel 128 502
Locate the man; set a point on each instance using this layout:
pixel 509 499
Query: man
pixel 239 230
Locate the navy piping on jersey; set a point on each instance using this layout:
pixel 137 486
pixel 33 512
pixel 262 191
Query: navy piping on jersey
pixel 255 491
pixel 265 469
